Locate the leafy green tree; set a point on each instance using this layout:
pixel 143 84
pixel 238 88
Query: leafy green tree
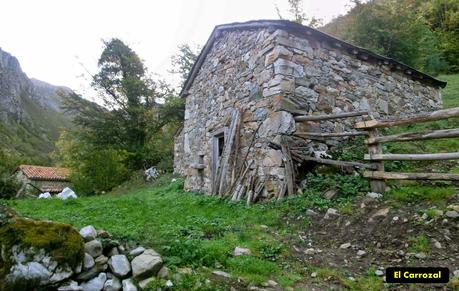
pixel 183 61
pixel 94 169
pixel 132 104
pixel 422 34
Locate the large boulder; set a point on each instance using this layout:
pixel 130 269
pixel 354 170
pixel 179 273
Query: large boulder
pixel 146 265
pixel 36 253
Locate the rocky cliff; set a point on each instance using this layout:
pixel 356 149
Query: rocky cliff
pixel 30 110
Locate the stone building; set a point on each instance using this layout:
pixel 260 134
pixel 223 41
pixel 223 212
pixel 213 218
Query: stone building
pixel 37 179
pixel 250 81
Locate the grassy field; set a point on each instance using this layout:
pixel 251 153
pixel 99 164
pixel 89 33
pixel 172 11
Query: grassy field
pixel 196 231
pixel 200 232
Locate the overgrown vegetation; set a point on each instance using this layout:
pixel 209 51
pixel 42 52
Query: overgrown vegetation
pixel 422 34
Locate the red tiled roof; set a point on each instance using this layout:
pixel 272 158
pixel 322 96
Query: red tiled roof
pixel 45 173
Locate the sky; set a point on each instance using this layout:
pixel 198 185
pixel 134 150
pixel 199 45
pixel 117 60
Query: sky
pixel 59 41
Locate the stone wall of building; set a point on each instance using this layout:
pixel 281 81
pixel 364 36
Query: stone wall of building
pixel 179 159
pixel 267 73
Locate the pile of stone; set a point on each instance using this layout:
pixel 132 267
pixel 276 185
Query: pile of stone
pixel 109 265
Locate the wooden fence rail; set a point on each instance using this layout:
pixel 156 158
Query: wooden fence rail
pixel 298 156
pixel 376 155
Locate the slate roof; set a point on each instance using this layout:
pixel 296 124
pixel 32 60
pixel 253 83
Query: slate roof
pixel 302 31
pixel 45 173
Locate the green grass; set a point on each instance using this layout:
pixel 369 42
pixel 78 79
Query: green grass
pixel 188 229
pixel 418 193
pixel 450 96
pixel 420 244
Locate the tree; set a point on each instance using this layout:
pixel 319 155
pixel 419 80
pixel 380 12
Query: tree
pixel 298 15
pixel 94 169
pixel 137 113
pixel 411 31
pixel 183 61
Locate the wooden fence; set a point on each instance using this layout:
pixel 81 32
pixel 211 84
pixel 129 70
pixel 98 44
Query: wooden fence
pixel 377 157
pixel 301 157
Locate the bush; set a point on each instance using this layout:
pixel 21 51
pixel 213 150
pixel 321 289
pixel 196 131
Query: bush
pixel 100 170
pixel 8 188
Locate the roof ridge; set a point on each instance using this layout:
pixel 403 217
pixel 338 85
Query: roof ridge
pixel 303 29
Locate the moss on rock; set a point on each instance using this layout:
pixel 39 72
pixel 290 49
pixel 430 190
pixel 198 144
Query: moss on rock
pixel 60 241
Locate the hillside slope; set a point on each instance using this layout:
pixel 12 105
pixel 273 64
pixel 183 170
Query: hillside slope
pixel 30 114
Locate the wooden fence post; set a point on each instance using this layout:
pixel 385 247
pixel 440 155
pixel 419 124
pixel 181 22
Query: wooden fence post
pixel 378 186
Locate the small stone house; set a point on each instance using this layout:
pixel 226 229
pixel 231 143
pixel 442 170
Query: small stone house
pixel 37 179
pixel 252 78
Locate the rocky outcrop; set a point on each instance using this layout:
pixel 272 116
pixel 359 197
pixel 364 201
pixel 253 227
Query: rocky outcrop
pixel 29 108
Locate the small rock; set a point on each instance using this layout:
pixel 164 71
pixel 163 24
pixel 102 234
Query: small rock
pixel 103 234
pixel 437 244
pixel 452 214
pixel 45 195
pixel 70 286
pixel 113 251
pixel 66 194
pixel 456 273
pixel 128 285
pixel 144 283
pixel 374 195
pixel 88 261
pixel 169 284
pixel 88 233
pixel 163 272
pixel 101 260
pixel 380 213
pixel 421 256
pixel 239 251
pixel 120 266
pixel 310 212
pixel 395 218
pixel 137 251
pixel 272 283
pixel 454 207
pixel 95 284
pixel 329 194
pixel 379 273
pixel 361 253
pixel 313 274
pixel 345 246
pixel 112 284
pixel 331 212
pixel 146 264
pixel 94 248
pixel 310 251
pixel 221 274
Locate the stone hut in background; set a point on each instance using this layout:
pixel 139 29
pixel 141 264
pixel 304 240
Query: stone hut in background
pixel 252 78
pixel 37 179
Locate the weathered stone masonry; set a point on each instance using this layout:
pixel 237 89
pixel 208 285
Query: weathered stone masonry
pixel 266 72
